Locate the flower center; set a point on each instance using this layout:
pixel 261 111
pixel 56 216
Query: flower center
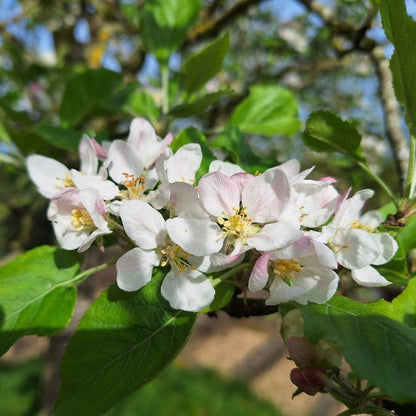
pixel 285 268
pixel 238 225
pixel 175 256
pixel 135 185
pixel 81 219
pixel 67 182
pixel 356 224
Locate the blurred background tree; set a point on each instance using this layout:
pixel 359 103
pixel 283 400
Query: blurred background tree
pixel 329 53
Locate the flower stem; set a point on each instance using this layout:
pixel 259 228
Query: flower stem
pixel 164 71
pixel 83 275
pixel 231 273
pixel 411 179
pixel 381 183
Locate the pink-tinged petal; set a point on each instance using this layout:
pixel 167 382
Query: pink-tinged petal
pixel 260 273
pixel 266 196
pixel 189 291
pixel 291 168
pixel 167 140
pixel 196 236
pixel 319 283
pixel 281 292
pixel 100 151
pixel 47 174
pixel 143 224
pixel 88 156
pixel 354 249
pixel 226 168
pixel 241 179
pixel 106 189
pixel 185 162
pixel 219 194
pixel 123 160
pixel 329 179
pixel 274 236
pixel 388 247
pixel 368 276
pixel 134 269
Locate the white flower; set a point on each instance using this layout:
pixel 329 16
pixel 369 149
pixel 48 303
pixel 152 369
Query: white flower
pixel 355 243
pixel 184 286
pixel 300 272
pixel 51 176
pixel 78 218
pixel 245 213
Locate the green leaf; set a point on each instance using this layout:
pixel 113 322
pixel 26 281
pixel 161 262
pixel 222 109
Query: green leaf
pixel 85 92
pixel 141 104
pixel 378 347
pixel 231 140
pixel 199 105
pixel 401 31
pixel 407 234
pixel 62 138
pixel 37 294
pixel 205 64
pixel 224 292
pixel 326 132
pixel 165 24
pixel 122 342
pixel 193 135
pixel 268 110
pixel 405 305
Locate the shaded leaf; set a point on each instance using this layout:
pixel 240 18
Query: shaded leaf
pixel 205 64
pixel 199 105
pixel 67 139
pixel 326 132
pixel 122 342
pixel 85 92
pixel 377 346
pixel 165 24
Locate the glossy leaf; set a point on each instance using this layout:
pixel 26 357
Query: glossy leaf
pixel 165 24
pixel 37 294
pixel 407 234
pixel 376 344
pixel 326 132
pixel 85 92
pixel 401 31
pixel 141 104
pixel 122 342
pixel 405 305
pixel 205 64
pixel 268 110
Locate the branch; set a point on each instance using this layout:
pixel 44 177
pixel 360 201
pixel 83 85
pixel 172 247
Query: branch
pixel 392 115
pixel 212 26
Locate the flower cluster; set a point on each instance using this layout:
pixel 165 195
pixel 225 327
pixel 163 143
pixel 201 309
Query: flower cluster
pixel 294 231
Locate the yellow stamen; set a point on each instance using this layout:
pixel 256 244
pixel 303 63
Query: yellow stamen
pixel 356 224
pixel 176 256
pixel 135 185
pixel 238 225
pixel 285 268
pixel 67 182
pixel 81 219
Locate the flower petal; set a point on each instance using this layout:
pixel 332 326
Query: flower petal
pixel 388 247
pixel 182 166
pixel 369 277
pixel 189 291
pixel 219 194
pixel 47 174
pixel 134 268
pixel 88 156
pixel 143 224
pixel 196 236
pixel 260 273
pixel 266 195
pixel 282 292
